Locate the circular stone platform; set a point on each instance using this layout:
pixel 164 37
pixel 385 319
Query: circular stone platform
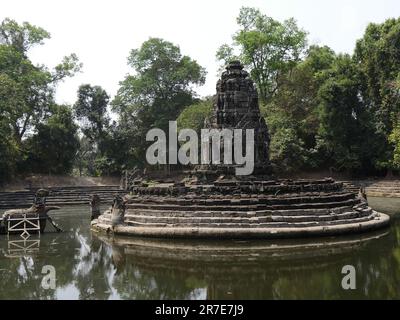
pixel 242 210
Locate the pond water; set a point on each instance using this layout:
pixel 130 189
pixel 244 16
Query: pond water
pixel 90 266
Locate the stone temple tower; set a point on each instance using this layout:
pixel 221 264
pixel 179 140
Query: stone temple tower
pixel 236 107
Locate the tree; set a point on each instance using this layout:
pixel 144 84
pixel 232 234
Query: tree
pixel 345 138
pixel 160 88
pixel 52 149
pixel 8 151
pixel 162 85
pixel 267 47
pixel 21 37
pixel 85 157
pixel 91 110
pixel 394 137
pixel 194 116
pixel 27 91
pixel 125 147
pixel 292 115
pixel 287 149
pixel 377 55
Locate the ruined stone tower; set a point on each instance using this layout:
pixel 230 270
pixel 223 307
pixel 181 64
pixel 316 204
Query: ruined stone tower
pixel 236 107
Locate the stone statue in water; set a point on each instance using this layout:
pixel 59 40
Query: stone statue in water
pixel 95 206
pixel 118 211
pixel 38 209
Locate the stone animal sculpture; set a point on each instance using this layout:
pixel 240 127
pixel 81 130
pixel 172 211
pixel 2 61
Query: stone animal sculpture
pixel 38 209
pixel 95 206
pixel 118 211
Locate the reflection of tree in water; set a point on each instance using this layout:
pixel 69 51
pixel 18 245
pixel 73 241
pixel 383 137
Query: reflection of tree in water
pixel 22 274
pixel 109 269
pixel 93 272
pixel 148 275
pixel 377 268
pixel 75 261
pixel 136 282
pixel 79 263
pixel 21 277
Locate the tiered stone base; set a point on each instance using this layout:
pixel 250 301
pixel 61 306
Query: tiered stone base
pixel 244 210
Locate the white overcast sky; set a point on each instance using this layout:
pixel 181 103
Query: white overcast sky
pixel 102 32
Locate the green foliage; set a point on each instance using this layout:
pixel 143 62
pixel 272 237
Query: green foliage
pixel 25 94
pixel 292 115
pixel 394 138
pixel 85 157
pixel 91 111
pixel 52 149
pixel 317 119
pixel 21 37
pixel 194 116
pixel 160 88
pixel 99 146
pixel 8 153
pixel 26 91
pixel 377 55
pixel 267 47
pixel 339 136
pixel 287 152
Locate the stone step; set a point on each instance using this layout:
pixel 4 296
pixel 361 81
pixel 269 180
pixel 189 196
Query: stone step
pixel 208 213
pixel 252 220
pixel 59 194
pixel 384 194
pixel 55 190
pixel 252 225
pixel 73 195
pixel 350 202
pixel 242 200
pixel 49 200
pixel 30 200
pixel 57 203
pixel 209 190
pixel 382 188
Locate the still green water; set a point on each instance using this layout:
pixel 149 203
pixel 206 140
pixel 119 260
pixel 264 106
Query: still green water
pixel 96 267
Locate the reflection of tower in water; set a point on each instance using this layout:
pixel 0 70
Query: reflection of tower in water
pixel 236 269
pixel 118 258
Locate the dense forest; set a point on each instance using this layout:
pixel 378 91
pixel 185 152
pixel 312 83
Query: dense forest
pixel 325 110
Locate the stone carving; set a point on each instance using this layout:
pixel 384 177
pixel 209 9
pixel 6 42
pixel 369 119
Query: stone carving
pixel 132 178
pixel 118 211
pixel 363 194
pixel 236 107
pixel 40 196
pixel 95 206
pixel 38 208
